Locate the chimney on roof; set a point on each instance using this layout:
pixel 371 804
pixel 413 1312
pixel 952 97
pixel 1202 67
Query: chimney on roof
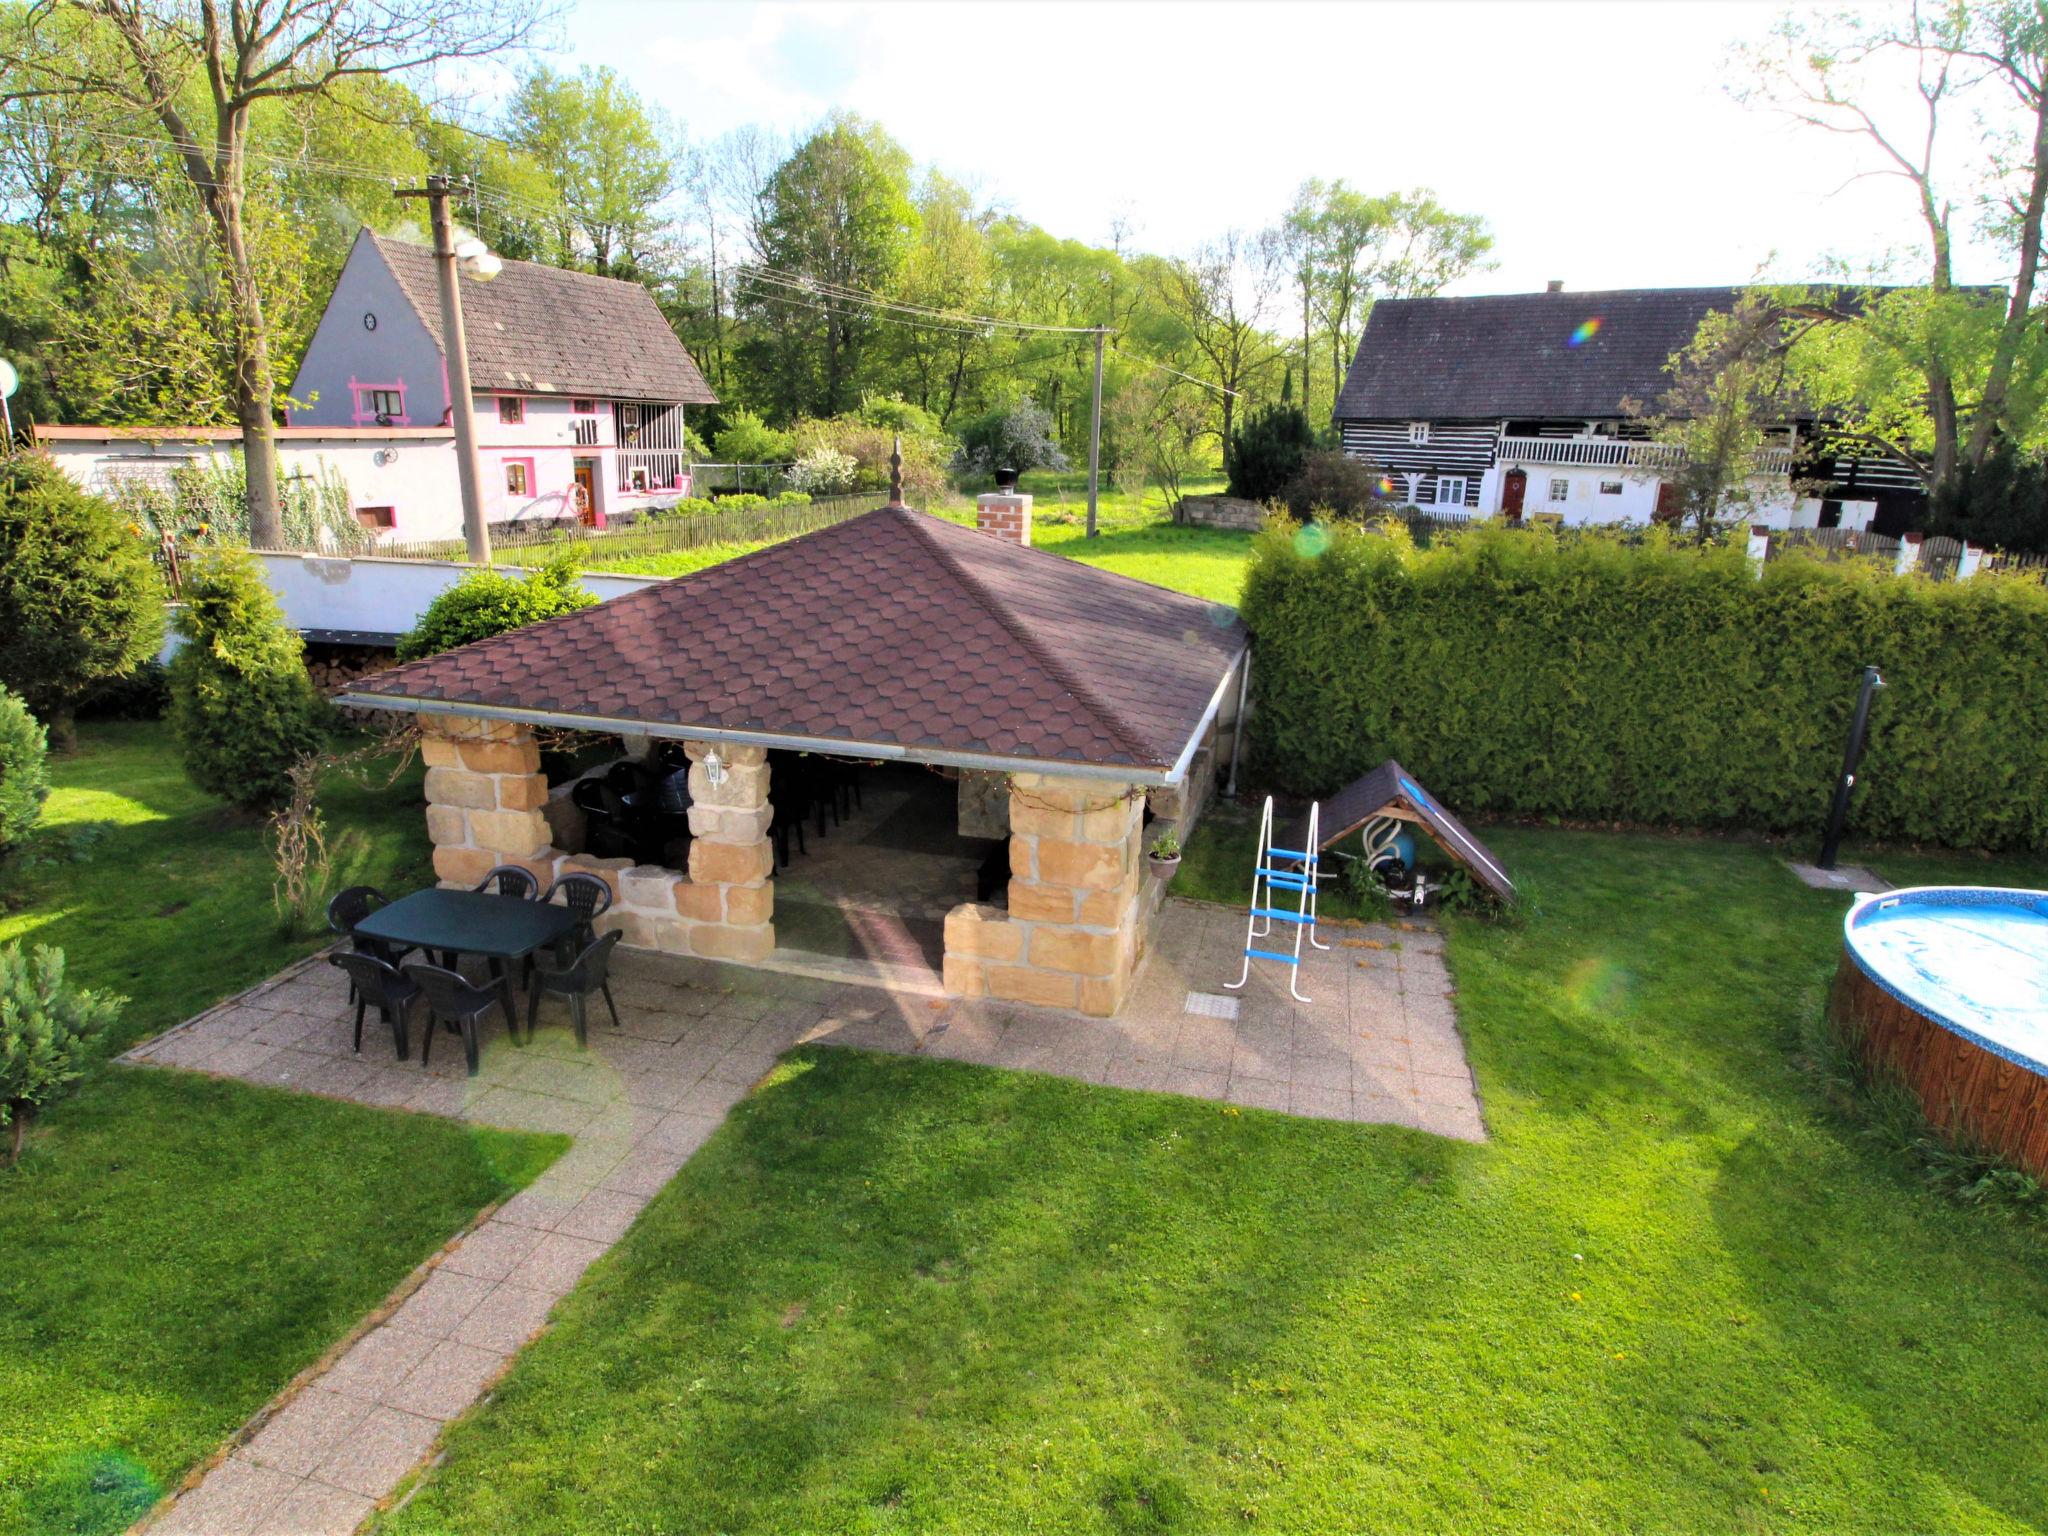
pixel 1555 285
pixel 1004 511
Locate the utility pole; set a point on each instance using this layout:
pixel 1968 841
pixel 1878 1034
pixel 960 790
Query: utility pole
pixel 462 408
pixel 1095 432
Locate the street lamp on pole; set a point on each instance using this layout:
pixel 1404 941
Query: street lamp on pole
pixel 456 248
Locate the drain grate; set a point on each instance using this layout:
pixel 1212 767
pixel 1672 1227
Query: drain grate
pixel 1212 1005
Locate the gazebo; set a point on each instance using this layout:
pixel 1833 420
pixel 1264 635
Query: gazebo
pixel 1077 700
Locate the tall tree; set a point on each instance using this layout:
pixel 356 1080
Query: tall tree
pixel 1984 65
pixel 611 160
pixel 836 217
pixel 197 70
pixel 1220 300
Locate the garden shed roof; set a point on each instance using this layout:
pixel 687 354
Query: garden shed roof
pixel 894 633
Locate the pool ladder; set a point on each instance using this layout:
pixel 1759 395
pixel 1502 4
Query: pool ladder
pixel 1268 877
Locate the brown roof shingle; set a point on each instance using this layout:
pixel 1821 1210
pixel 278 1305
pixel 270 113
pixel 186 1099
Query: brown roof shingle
pixel 894 628
pixel 548 331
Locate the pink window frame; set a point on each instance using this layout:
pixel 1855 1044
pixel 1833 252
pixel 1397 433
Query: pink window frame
pixel 362 416
pixel 532 490
pixel 515 400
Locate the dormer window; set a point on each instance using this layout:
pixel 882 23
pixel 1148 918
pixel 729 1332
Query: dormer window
pixel 1418 433
pixel 511 411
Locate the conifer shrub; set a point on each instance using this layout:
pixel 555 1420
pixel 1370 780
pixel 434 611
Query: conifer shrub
pixel 81 602
pixel 48 1029
pixel 24 777
pixel 1266 453
pixel 242 706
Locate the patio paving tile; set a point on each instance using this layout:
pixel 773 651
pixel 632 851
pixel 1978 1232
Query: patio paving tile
pixel 438 1307
pixel 377 1362
pixel 1378 1043
pixel 506 1318
pixel 491 1251
pixel 385 1446
pixel 603 1215
pixel 230 1501
pixel 306 1431
pixel 315 1509
pixel 447 1381
pixel 556 1263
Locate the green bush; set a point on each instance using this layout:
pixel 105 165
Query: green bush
pixel 748 440
pixel 705 506
pixel 242 706
pixel 869 444
pixel 489 602
pixel 47 1032
pixel 1266 453
pixel 1516 671
pixel 1331 482
pixel 24 780
pixel 80 599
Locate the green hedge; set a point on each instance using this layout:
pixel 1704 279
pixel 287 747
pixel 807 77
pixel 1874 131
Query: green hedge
pixel 1519 671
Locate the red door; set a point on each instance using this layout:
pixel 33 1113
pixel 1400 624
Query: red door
pixel 1667 503
pixel 1513 487
pixel 586 493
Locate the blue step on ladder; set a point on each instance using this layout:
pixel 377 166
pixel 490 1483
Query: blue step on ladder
pixel 1282 869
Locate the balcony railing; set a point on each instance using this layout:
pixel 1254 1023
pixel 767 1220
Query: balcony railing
pixel 1620 453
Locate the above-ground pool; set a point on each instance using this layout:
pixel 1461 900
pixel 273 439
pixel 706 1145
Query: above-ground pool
pixel 1948 987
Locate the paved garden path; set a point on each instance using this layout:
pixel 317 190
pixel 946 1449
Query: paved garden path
pixel 1378 1043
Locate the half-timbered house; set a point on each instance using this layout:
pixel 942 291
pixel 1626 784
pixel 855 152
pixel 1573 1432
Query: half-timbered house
pixel 1519 404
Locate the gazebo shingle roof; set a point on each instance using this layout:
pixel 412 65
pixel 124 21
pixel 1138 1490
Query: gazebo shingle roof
pixel 893 628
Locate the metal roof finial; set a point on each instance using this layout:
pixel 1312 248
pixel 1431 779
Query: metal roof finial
pixel 896 472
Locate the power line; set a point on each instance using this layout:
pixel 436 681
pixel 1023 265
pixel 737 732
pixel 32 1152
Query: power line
pixel 1146 362
pixel 810 284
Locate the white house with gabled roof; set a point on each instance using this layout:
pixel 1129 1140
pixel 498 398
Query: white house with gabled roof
pixel 580 384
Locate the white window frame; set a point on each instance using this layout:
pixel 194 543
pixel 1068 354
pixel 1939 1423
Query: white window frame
pixel 1448 482
pixel 1418 433
pixel 1560 488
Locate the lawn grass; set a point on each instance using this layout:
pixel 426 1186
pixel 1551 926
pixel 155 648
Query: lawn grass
pixel 159 892
pixel 1137 539
pixel 1673 1293
pixel 172 1248
pixel 176 1248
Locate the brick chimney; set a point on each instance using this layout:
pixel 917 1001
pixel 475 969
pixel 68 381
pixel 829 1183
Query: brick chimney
pixel 1004 511
pixel 1555 285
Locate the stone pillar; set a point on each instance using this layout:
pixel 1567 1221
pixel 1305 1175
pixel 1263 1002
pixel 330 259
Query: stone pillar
pixel 485 792
pixel 1070 938
pixel 729 901
pixel 1006 514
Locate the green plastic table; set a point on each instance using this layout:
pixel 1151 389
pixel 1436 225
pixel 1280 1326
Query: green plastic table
pixel 499 928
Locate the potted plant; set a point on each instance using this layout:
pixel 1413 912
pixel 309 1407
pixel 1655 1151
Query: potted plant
pixel 1164 856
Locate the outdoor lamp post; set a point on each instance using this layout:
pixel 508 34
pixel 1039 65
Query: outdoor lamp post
pixel 1838 812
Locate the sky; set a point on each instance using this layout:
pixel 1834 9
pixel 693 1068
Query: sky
pixel 1598 140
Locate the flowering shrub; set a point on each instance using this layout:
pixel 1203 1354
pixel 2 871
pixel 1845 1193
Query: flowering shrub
pixel 823 471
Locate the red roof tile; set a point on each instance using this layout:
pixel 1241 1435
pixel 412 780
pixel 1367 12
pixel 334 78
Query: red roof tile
pixel 893 627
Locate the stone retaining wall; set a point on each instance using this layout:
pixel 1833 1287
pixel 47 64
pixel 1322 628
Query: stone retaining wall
pixel 1232 512
pixel 487 805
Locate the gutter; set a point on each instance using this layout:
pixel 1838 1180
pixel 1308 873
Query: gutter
pixel 1242 669
pixel 883 751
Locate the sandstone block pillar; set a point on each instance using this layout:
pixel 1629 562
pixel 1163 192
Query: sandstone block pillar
pixel 485 792
pixel 1071 936
pixel 729 900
